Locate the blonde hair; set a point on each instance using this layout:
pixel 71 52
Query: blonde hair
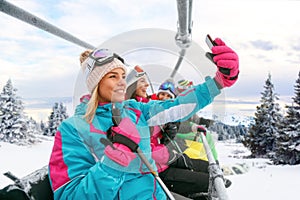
pixel 92 106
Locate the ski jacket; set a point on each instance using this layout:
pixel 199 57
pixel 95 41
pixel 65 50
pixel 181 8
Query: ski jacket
pixel 78 167
pixel 160 153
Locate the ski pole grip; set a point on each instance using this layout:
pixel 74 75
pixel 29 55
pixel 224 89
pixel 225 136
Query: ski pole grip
pixel 121 139
pixel 200 130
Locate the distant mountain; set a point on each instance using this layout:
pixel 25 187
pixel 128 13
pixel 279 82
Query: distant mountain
pixel 45 102
pixel 235 120
pixel 232 119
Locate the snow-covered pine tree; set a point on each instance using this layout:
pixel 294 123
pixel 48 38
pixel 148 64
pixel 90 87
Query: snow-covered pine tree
pixel 226 132
pixel 288 142
pixel 13 122
pixel 262 133
pixel 58 114
pixel 33 130
pixel 42 126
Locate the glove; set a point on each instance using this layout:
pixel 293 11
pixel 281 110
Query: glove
pixel 197 129
pixel 181 161
pixel 169 132
pixel 120 153
pixel 228 64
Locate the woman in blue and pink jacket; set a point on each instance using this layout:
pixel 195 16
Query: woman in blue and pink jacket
pixel 81 167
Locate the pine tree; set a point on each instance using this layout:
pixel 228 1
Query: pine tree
pixel 33 130
pixel 288 142
pixel 13 123
pixel 262 133
pixel 58 114
pixel 42 126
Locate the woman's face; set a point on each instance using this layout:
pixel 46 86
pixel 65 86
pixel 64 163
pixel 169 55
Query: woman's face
pixel 112 86
pixel 164 96
pixel 141 88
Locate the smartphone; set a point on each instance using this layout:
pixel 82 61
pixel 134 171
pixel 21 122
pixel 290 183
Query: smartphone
pixel 209 41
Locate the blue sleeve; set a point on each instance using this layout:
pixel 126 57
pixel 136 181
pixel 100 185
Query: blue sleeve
pixel 184 106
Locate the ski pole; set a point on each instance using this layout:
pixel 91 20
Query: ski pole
pixel 14 178
pixel 216 174
pixel 134 147
pixel 154 173
pixel 29 18
pixel 22 186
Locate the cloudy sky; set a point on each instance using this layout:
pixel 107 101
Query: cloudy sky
pixel 265 34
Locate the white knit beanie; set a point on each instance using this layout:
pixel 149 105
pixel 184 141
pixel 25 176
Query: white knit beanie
pixel 98 72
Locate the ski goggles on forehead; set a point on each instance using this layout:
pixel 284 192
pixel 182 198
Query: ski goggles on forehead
pixel 167 86
pixel 101 57
pixel 139 72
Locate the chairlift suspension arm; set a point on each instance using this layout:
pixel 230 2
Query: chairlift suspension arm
pixel 184 30
pixel 183 37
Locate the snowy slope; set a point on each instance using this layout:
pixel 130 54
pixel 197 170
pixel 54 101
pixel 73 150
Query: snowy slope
pixel 262 182
pixel 23 160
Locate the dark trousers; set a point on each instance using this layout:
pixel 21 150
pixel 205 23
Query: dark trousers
pixel 187 181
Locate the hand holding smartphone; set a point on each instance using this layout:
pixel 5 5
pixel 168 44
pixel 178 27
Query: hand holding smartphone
pixel 210 43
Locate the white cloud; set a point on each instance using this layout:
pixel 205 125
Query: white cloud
pixel 35 59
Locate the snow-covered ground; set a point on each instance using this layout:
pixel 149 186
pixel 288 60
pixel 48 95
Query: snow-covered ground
pixel 23 160
pixel 262 181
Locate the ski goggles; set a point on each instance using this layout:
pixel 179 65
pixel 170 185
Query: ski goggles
pixel 139 72
pixel 135 75
pixel 100 57
pixel 167 86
